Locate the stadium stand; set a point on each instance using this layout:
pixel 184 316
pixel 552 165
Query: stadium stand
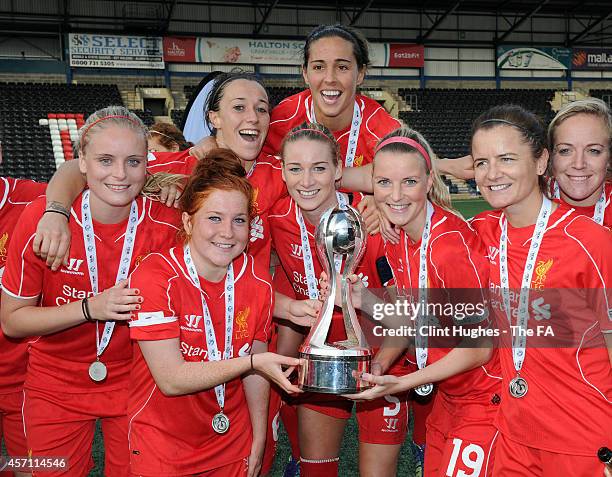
pixel 144 114
pixel 445 116
pixel 278 93
pixel 177 117
pixel 604 94
pixel 27 147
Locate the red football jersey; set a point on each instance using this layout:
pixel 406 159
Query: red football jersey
pixel 265 177
pixel 589 211
pixel 567 407
pixel 455 260
pixel 293 111
pixel 287 242
pixel 59 362
pixel 173 435
pixel 15 194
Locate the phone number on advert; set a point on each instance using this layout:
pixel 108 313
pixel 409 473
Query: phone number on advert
pixel 33 463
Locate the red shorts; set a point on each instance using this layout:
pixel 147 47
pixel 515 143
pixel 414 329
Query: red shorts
pixel 63 425
pixel 461 438
pixel 516 460
pixel 382 421
pixel 274 406
pixel 235 469
pixel 11 423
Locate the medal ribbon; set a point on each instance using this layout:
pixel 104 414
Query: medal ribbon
pixel 311 280
pixel 421 341
pixel 519 340
pixel 211 339
pixel 351 148
pixel 600 206
pixel 89 241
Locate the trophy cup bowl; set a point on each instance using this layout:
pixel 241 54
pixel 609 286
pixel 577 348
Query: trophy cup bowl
pixel 328 367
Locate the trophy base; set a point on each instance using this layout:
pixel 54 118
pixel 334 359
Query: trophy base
pixel 333 374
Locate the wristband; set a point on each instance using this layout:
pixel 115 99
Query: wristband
pixel 85 308
pixel 61 212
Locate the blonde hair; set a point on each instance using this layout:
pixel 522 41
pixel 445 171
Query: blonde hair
pixel 111 115
pixel 438 194
pixel 312 132
pixel 157 181
pixel 591 106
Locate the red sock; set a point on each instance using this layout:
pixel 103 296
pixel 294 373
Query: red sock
pixel 319 469
pixel 290 420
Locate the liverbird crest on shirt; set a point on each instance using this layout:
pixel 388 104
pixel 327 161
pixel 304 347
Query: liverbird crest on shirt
pixel 242 330
pixel 541 270
pixel 3 241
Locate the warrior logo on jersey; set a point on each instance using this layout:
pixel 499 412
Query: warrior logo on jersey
pixel 242 324
pixel 541 270
pixel 358 161
pixel 493 253
pixel 3 241
pixel 74 266
pixel 193 323
pixel 296 251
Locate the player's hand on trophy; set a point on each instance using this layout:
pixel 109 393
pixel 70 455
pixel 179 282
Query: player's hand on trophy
pixel 203 147
pixel 383 386
pixel 115 303
pixel 276 368
pixel 304 312
pixel 52 240
pixel 357 287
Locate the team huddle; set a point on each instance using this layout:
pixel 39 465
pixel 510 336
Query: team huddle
pixel 137 287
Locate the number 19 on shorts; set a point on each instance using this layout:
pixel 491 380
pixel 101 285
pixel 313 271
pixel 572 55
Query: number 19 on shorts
pixel 466 460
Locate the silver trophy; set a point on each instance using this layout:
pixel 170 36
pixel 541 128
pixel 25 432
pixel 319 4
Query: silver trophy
pixel 328 367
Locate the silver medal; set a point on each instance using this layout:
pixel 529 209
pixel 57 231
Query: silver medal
pixel 424 390
pixel 518 387
pixel 220 423
pixel 97 371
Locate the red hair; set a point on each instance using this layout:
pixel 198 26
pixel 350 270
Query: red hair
pixel 219 170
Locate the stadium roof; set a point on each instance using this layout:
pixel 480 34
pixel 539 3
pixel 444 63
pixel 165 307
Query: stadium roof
pixel 589 21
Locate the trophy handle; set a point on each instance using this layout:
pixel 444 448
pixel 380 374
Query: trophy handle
pixel 319 331
pixel 354 334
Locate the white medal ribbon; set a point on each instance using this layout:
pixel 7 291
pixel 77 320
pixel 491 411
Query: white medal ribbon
pixel 420 340
pixel 519 340
pixel 211 339
pixel 600 206
pixel 89 240
pixel 311 279
pixel 351 148
pixel 249 173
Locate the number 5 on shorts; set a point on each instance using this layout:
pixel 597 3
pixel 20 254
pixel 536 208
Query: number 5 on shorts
pixel 472 458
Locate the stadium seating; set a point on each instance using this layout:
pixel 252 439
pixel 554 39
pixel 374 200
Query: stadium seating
pixel 605 94
pixel 30 113
pixel 445 116
pixel 146 116
pixel 278 93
